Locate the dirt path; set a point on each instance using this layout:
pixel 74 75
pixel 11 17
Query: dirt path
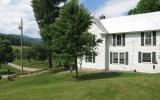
pixel 24 68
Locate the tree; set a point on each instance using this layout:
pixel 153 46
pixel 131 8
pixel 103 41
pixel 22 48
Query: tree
pixel 45 12
pixel 41 52
pixel 17 53
pixel 6 52
pixel 71 34
pixel 145 6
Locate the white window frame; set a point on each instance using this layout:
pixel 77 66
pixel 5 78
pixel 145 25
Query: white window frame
pixel 142 57
pixel 116 44
pixel 88 60
pixel 124 57
pixel 119 58
pixel 113 57
pixel 145 33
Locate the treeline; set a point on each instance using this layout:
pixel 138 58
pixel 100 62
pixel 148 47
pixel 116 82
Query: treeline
pixel 145 6
pixel 16 40
pixel 36 53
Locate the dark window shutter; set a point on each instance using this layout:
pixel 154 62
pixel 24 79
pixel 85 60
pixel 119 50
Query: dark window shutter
pixel 93 39
pixel 142 38
pixel 114 40
pixel 123 36
pixel 126 58
pixel 86 58
pixel 94 56
pixel 154 38
pixel 154 57
pixel 139 57
pixel 110 57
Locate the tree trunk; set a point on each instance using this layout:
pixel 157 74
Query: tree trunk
pixel 76 67
pixel 50 59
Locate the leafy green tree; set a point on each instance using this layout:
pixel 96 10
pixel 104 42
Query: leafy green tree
pixel 17 53
pixel 145 6
pixel 41 52
pixel 45 12
pixel 6 52
pixel 71 34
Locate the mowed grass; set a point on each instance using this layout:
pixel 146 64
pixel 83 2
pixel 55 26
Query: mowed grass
pixel 90 86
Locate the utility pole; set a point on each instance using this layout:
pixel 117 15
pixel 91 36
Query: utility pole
pixel 21 29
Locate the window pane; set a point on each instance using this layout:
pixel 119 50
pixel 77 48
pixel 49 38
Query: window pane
pixel 115 57
pixel 146 57
pixel 118 39
pixel 148 39
pixel 121 58
pixel 90 57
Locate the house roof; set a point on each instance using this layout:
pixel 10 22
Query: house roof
pixel 132 23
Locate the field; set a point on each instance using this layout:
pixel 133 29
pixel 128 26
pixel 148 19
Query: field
pixel 33 64
pixel 19 47
pixel 90 86
pixel 5 69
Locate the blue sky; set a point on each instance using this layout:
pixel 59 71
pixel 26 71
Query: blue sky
pixel 110 8
pixel 13 10
pixel 92 5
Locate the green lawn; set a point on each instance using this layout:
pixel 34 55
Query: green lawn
pixel 90 86
pixel 33 64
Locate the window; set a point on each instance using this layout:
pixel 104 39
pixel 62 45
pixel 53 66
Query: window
pixel 146 57
pixel 115 57
pixel 119 40
pixel 122 57
pixel 90 57
pixel 149 57
pixel 119 58
pixel 148 38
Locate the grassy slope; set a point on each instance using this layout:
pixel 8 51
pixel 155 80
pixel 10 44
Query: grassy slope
pixel 101 86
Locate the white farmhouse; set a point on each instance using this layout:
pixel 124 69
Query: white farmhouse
pixel 130 43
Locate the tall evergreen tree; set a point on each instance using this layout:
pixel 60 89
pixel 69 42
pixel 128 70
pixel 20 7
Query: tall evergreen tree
pixel 71 31
pixel 145 6
pixel 45 13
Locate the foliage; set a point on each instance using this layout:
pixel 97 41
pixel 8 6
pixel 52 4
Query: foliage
pixel 6 52
pixel 40 52
pixel 16 40
pixel 45 12
pixel 17 53
pixel 70 31
pixel 32 63
pixel 145 6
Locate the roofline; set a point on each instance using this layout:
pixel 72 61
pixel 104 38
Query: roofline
pixel 130 15
pixel 132 32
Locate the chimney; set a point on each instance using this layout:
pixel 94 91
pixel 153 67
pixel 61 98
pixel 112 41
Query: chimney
pixel 102 17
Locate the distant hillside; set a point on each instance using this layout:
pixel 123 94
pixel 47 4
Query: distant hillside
pixel 16 39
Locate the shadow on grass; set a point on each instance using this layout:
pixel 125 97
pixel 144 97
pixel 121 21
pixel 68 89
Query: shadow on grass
pixel 101 75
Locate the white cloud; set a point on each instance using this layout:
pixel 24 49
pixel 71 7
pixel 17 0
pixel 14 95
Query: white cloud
pixel 114 8
pixel 11 13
